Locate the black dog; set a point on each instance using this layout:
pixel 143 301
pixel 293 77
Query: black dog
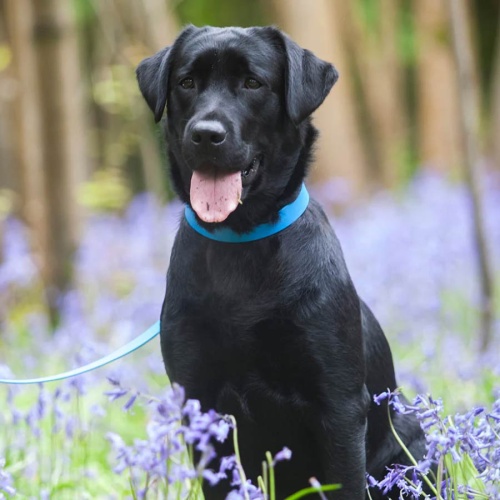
pixel 271 331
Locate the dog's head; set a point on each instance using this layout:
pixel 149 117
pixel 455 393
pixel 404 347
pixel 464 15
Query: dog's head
pixel 238 105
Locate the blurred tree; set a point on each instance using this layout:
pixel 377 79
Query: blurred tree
pixel 341 153
pixel 155 26
pixel 395 62
pixel 486 16
pixel 63 154
pixel 126 140
pixel 27 133
pixel 158 23
pixel 373 40
pixel 469 113
pixel 7 179
pixel 222 12
pixel 437 95
pixel 495 126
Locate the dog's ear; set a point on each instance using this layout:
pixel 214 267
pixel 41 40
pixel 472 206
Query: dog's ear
pixel 152 76
pixel 308 80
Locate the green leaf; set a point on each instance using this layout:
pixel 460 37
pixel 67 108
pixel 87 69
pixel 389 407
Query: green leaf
pixel 311 490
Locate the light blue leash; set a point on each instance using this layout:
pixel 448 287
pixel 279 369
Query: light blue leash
pixel 287 216
pixel 133 345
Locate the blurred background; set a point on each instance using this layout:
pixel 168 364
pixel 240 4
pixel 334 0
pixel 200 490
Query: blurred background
pixel 407 168
pixel 76 137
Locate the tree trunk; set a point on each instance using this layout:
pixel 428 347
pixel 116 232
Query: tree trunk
pixel 440 143
pixel 161 26
pixel 60 89
pixel 6 87
pixel 495 122
pixel 158 29
pixel 153 25
pixel 27 131
pixel 375 53
pixel 7 91
pixel 469 114
pixel 316 26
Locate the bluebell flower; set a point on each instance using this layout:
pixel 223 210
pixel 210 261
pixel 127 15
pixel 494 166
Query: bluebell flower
pixel 474 434
pixel 5 480
pixel 120 269
pixel 116 393
pixel 284 454
pixel 128 405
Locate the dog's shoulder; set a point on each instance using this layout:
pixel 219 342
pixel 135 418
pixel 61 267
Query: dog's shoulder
pixel 313 239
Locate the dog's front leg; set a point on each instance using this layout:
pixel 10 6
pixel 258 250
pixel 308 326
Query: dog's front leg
pixel 340 432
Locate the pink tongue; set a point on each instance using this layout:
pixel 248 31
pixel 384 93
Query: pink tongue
pixel 214 195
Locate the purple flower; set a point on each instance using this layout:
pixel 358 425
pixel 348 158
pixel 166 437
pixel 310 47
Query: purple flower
pixel 316 484
pixel 383 396
pixel 219 430
pixel 246 490
pixel 378 398
pixel 120 269
pixel 5 480
pixel 128 405
pixel 113 381
pixel 284 454
pixel 371 482
pixel 213 477
pixel 474 434
pixel 163 455
pixel 116 393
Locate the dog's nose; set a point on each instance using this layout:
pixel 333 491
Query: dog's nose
pixel 208 132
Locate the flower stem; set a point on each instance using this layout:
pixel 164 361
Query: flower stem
pixel 407 451
pixel 272 487
pixel 238 456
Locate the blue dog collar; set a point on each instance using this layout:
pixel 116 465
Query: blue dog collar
pixel 286 217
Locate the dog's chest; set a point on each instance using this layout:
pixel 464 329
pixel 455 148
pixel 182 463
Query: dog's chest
pixel 235 284
pixel 238 318
pixel 268 360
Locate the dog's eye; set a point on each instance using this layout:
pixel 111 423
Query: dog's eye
pixel 252 83
pixel 187 83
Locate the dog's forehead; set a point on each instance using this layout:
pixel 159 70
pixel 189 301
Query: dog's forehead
pixel 249 45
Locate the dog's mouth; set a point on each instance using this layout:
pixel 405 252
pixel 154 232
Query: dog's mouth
pixel 215 194
pixel 248 175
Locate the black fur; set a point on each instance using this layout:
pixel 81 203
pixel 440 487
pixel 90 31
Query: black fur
pixel 271 331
